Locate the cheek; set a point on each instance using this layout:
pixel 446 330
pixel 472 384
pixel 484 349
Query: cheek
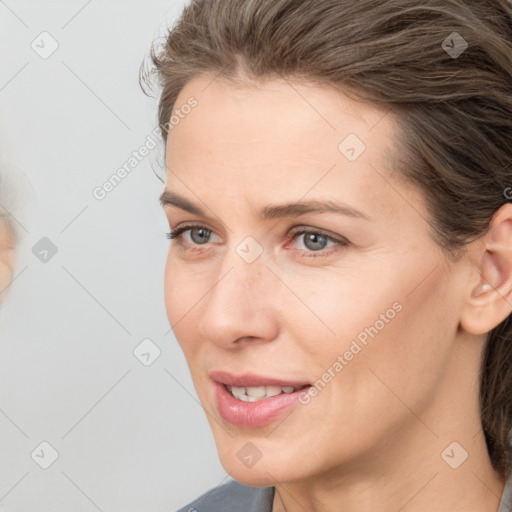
pixel 179 288
pixel 178 299
pixel 379 325
pixel 405 359
pixel 171 292
pixel 343 306
pixel 183 295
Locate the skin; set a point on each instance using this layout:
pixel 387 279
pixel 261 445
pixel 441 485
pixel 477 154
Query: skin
pixel 7 258
pixel 372 438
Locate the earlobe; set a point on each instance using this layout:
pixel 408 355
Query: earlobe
pixel 489 300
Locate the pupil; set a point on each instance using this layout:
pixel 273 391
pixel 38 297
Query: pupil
pixel 312 237
pixel 203 237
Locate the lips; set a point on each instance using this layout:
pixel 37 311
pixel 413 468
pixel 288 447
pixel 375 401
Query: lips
pixel 251 380
pixel 257 413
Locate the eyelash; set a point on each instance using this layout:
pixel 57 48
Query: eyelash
pixel 177 234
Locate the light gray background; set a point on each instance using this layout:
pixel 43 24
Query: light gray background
pixel 129 437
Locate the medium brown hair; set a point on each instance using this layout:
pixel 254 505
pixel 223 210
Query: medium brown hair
pixel 455 110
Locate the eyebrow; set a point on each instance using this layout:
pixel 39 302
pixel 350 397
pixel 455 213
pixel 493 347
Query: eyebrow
pixel 169 198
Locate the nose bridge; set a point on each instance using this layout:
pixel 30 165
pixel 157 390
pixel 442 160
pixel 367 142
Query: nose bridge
pixel 242 277
pixel 240 302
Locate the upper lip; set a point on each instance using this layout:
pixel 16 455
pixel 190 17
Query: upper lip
pixel 252 380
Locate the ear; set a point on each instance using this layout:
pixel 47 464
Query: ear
pixel 489 297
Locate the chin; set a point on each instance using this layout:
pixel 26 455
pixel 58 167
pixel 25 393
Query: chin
pixel 263 472
pixel 257 476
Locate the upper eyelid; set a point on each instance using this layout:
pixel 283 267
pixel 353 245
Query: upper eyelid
pixel 301 229
pixel 294 229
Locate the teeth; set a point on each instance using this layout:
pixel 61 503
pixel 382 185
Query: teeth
pixel 246 398
pixel 273 390
pixel 256 393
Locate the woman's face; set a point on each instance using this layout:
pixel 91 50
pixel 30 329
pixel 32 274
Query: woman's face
pixel 364 304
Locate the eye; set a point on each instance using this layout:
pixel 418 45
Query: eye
pixel 315 241
pixel 198 234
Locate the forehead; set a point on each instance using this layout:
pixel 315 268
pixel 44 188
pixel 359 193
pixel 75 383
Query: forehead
pixel 280 119
pixel 277 108
pixel 278 138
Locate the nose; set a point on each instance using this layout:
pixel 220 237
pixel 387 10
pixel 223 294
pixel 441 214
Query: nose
pixel 242 305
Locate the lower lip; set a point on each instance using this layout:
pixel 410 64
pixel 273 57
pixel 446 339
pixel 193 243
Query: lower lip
pixel 253 414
